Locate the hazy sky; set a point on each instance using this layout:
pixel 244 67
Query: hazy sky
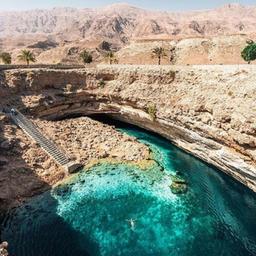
pixel 148 4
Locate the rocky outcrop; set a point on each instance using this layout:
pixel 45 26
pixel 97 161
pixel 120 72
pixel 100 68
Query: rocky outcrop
pixel 26 169
pixel 87 140
pixel 3 249
pixel 209 111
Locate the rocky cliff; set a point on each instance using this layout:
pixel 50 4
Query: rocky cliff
pixel 209 111
pixel 27 170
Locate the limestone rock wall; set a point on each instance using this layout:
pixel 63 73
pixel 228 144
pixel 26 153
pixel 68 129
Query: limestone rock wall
pixel 209 111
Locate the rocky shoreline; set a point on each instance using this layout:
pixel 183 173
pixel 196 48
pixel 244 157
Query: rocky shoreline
pixel 26 170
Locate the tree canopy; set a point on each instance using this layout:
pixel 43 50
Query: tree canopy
pixel 249 52
pixel 6 58
pixel 159 53
pixel 27 56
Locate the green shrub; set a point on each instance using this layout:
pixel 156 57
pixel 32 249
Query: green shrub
pixel 86 57
pixel 6 58
pixel 249 52
pixel 151 109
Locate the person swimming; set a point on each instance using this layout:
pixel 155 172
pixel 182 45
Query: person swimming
pixel 132 223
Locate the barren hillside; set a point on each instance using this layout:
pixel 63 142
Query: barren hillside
pixel 122 22
pixel 200 50
pixel 59 34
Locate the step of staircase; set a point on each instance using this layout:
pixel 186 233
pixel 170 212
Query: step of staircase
pixel 47 145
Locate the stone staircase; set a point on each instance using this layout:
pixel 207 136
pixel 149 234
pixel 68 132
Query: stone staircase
pixel 47 145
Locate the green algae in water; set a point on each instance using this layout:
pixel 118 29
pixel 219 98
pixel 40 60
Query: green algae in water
pixel 90 216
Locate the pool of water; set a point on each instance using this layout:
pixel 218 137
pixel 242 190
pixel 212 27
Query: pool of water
pixel 91 215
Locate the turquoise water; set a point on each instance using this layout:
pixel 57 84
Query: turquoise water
pixel 90 215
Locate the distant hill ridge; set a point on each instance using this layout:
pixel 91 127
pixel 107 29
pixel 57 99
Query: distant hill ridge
pixel 123 22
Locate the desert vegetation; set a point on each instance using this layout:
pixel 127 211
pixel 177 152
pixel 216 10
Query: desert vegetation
pixel 27 56
pixel 151 109
pixel 111 58
pixel 249 52
pixel 159 53
pixel 197 42
pixel 86 57
pixel 6 58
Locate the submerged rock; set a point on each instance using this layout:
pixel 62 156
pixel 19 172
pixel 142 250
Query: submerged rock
pixel 179 185
pixel 177 188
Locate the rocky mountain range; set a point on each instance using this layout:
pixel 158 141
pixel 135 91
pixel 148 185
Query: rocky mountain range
pixel 123 22
pixel 118 24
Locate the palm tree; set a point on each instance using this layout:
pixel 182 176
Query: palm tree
pixel 111 58
pixel 27 56
pixel 159 52
pixel 86 57
pixel 6 58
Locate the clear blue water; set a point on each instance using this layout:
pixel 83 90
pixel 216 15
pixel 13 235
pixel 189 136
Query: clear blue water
pixel 90 215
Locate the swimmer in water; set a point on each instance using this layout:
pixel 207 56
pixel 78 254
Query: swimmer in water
pixel 132 223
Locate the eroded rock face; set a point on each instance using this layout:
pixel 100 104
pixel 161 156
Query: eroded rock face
pixel 85 140
pixel 26 170
pixel 208 111
pixel 121 21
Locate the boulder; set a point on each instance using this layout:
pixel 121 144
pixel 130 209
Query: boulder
pixel 179 185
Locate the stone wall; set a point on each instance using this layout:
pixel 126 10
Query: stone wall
pixel 60 66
